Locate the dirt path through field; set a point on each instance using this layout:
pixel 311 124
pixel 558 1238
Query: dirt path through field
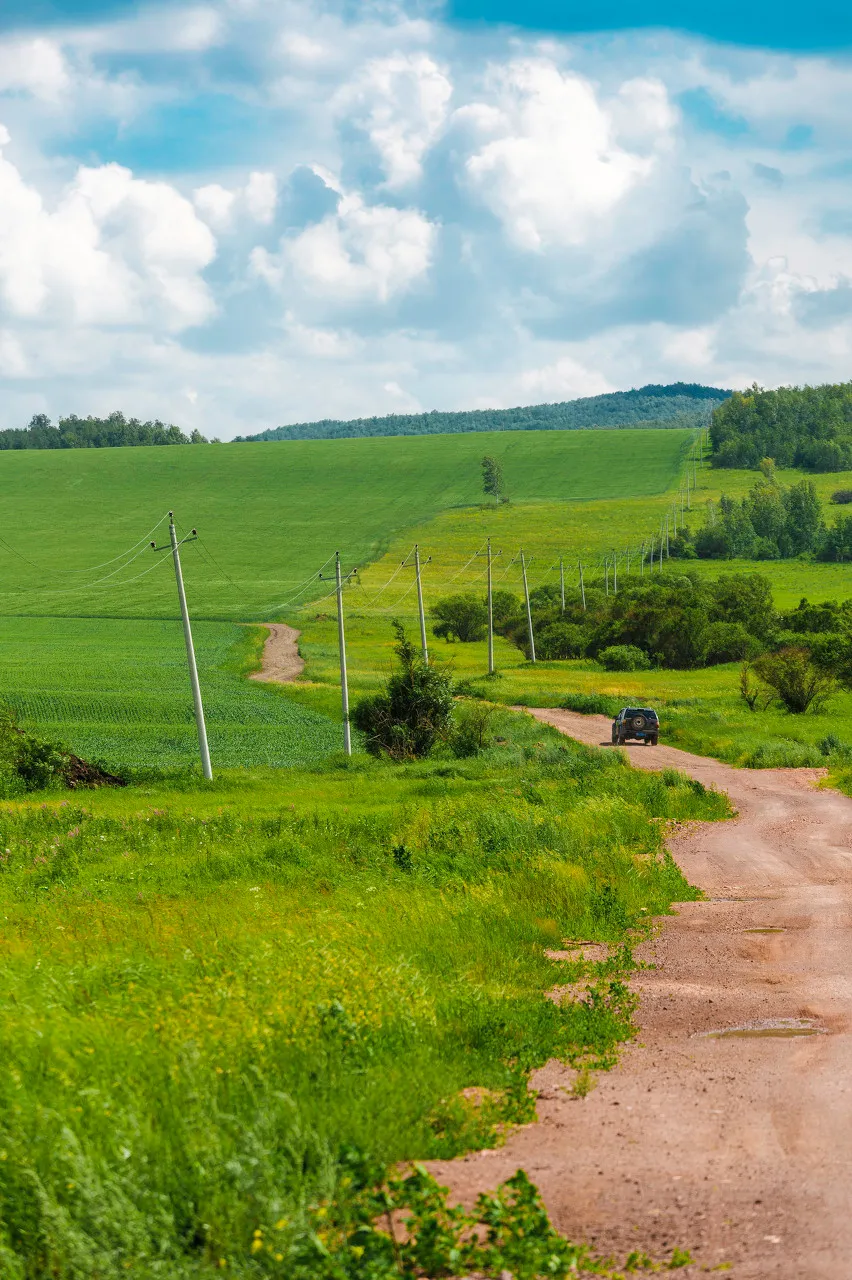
pixel 281 661
pixel 736 1147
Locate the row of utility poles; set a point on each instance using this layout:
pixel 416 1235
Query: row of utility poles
pixel 657 546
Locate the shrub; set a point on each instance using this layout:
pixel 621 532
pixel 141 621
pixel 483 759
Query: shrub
pixel 624 657
pixel 504 605
pixel 29 763
pixel 413 711
pixel 472 729
pixel 796 679
pixel 842 496
pixel 461 617
pixel 591 704
pixel 561 640
pixel 730 642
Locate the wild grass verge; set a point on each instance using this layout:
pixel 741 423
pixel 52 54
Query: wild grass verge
pixel 221 1002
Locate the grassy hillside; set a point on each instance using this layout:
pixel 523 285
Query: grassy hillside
pixel 271 516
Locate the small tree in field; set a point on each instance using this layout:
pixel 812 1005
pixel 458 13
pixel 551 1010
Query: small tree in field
pixel 796 679
pixel 413 711
pixel 462 617
pixel 492 477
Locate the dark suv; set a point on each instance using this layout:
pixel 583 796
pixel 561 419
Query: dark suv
pixel 636 722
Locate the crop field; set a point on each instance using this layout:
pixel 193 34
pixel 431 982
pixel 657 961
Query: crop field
pixel 270 515
pixel 120 692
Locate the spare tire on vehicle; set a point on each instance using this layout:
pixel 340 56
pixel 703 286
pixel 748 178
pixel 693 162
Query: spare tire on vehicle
pixel 638 722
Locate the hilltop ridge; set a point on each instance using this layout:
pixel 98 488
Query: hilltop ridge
pixel 677 404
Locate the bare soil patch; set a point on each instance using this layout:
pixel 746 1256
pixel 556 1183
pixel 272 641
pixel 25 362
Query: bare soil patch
pixel 282 662
pixel 735 1146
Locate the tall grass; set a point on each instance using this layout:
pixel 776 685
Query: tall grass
pixel 216 1000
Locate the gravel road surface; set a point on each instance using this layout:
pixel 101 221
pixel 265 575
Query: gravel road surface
pixel 737 1146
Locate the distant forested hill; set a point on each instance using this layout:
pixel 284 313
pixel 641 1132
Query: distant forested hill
pixel 114 432
pixel 807 427
pixel 679 405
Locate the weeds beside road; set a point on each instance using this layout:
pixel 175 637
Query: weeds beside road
pixel 219 1000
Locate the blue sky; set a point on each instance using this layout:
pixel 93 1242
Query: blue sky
pixel 236 213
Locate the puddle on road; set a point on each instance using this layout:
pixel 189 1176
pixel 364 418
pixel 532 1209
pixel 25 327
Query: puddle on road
pixel 772 1029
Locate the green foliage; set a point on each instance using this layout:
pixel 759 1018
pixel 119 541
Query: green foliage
pixel 836 543
pixel 806 427
pixel 94 433
pixel 679 622
pixel 253 999
pixel 492 477
pixel 591 704
pixel 624 657
pixel 460 617
pixel 796 679
pixel 414 710
pixel 679 404
pixel 842 496
pixel 770 523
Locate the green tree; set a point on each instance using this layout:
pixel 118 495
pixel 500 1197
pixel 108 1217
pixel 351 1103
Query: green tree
pixel 492 477
pixel 797 680
pixel 461 617
pixel 804 517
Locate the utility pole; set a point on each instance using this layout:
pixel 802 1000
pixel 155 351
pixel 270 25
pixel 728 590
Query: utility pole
pixel 652 556
pixel 529 612
pixel 420 604
pixel 490 602
pixel 562 582
pixel 667 535
pixel 688 503
pixel 662 548
pixel 628 561
pixel 606 573
pixel 582 587
pixel 339 580
pixel 190 648
pixel 642 562
pixel 615 573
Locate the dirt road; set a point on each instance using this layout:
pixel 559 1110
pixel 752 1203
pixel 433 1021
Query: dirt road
pixel 281 661
pixel 736 1147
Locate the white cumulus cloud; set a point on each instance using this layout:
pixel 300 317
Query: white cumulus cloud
pixel 113 250
pixel 401 101
pixel 360 253
pixel 550 165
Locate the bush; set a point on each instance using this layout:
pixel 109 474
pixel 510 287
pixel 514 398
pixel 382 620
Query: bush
pixel 461 617
pixel 796 679
pixel 730 642
pixel 561 640
pixel 504 605
pixel 624 657
pixel 472 729
pixel 591 704
pixel 28 763
pixel 413 711
pixel 842 496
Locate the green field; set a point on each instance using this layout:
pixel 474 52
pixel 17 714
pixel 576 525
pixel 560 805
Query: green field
pixel 272 514
pixel 269 515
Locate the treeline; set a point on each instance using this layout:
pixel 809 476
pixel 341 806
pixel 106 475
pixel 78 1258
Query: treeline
pixel 677 405
pixel 676 620
pixel 805 427
pixel 772 522
pixel 113 432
